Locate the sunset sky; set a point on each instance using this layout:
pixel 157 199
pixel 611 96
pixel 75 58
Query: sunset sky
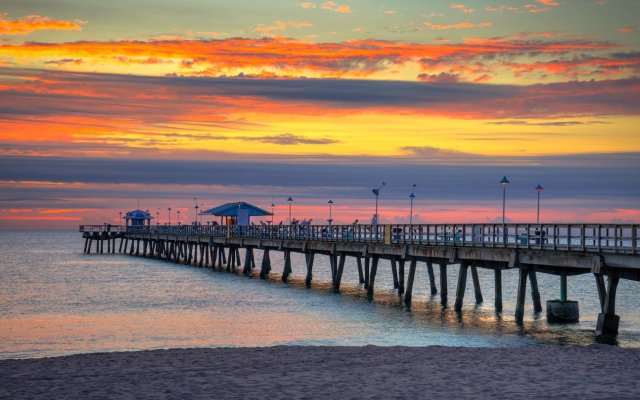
pixel 104 104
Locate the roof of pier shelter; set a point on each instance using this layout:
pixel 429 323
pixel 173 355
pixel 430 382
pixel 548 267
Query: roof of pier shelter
pixel 231 210
pixel 138 214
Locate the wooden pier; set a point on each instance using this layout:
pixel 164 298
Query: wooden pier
pixel 611 251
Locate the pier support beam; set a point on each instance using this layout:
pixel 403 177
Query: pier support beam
pixel 360 273
pixel 535 293
pixel 394 271
pixel 248 261
pixel 367 260
pixel 412 273
pixel 563 310
pixel 498 290
pixel 432 279
pixel 336 283
pixel 476 285
pixel 443 283
pixel 608 321
pixel 401 277
pixel 287 266
pixel 522 288
pixel 308 257
pixel 462 284
pixel 265 268
pixel 372 277
pixel 602 290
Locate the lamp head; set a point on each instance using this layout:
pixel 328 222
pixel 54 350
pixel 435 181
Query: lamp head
pixel 290 198
pixel 412 196
pixel 330 202
pixel 504 181
pixel 539 188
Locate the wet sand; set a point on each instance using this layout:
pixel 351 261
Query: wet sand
pixel 536 372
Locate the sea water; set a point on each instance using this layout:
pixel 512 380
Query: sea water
pixel 55 300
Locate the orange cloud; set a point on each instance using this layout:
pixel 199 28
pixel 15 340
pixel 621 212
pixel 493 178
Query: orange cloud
pixel 32 23
pixel 333 6
pixel 462 8
pixel 550 3
pixel 280 57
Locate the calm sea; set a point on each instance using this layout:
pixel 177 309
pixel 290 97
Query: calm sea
pixel 55 300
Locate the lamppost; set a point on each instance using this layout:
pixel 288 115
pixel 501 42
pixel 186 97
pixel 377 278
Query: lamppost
pixel 411 197
pixel 196 208
pixel 330 220
pixel 290 200
pixel 157 217
pixel 169 209
pixel 504 182
pixel 178 216
pixel 120 213
pixel 272 212
pixel 539 189
pixel 376 193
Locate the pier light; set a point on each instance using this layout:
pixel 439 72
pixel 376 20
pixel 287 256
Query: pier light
pixel 411 197
pixel 290 200
pixel 169 209
pixel 178 216
pixel 504 182
pixel 539 189
pixel 330 220
pixel 120 213
pixel 376 192
pixel 272 212
pixel 158 217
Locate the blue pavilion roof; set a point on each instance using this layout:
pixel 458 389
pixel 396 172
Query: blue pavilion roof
pixel 231 210
pixel 138 214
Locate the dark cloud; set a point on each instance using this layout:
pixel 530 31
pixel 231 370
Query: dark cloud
pixel 552 123
pixel 609 177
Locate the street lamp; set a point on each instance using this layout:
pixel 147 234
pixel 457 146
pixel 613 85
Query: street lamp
pixel 411 197
pixel 169 209
pixel 504 182
pixel 290 200
pixel 376 193
pixel 272 212
pixel 330 220
pixel 539 189
pixel 196 208
pixel 120 213
pixel 178 216
pixel 157 216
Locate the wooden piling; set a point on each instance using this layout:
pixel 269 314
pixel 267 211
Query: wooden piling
pixel 443 283
pixel 476 285
pixel 372 277
pixel 462 284
pixel 432 278
pixel 266 264
pixel 394 271
pixel 535 293
pixel 401 277
pixel 409 290
pixel 248 254
pixel 602 290
pixel 287 266
pixel 86 241
pixel 367 260
pixel 360 274
pixel 89 248
pixel 498 289
pixel 522 288
pixel 336 284
pixel 309 256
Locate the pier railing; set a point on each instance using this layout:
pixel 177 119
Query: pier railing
pixel 609 238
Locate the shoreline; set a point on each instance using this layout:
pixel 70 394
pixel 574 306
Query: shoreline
pixel 595 371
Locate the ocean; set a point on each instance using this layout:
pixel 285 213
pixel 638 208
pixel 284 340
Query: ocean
pixel 55 300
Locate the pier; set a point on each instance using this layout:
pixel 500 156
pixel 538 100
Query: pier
pixel 604 250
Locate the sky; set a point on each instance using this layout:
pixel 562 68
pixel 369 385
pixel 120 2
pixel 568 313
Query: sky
pixel 107 106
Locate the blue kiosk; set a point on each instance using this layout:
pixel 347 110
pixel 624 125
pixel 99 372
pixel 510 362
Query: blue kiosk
pixel 238 213
pixel 138 221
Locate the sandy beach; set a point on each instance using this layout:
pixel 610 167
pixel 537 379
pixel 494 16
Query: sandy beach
pixel 546 372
